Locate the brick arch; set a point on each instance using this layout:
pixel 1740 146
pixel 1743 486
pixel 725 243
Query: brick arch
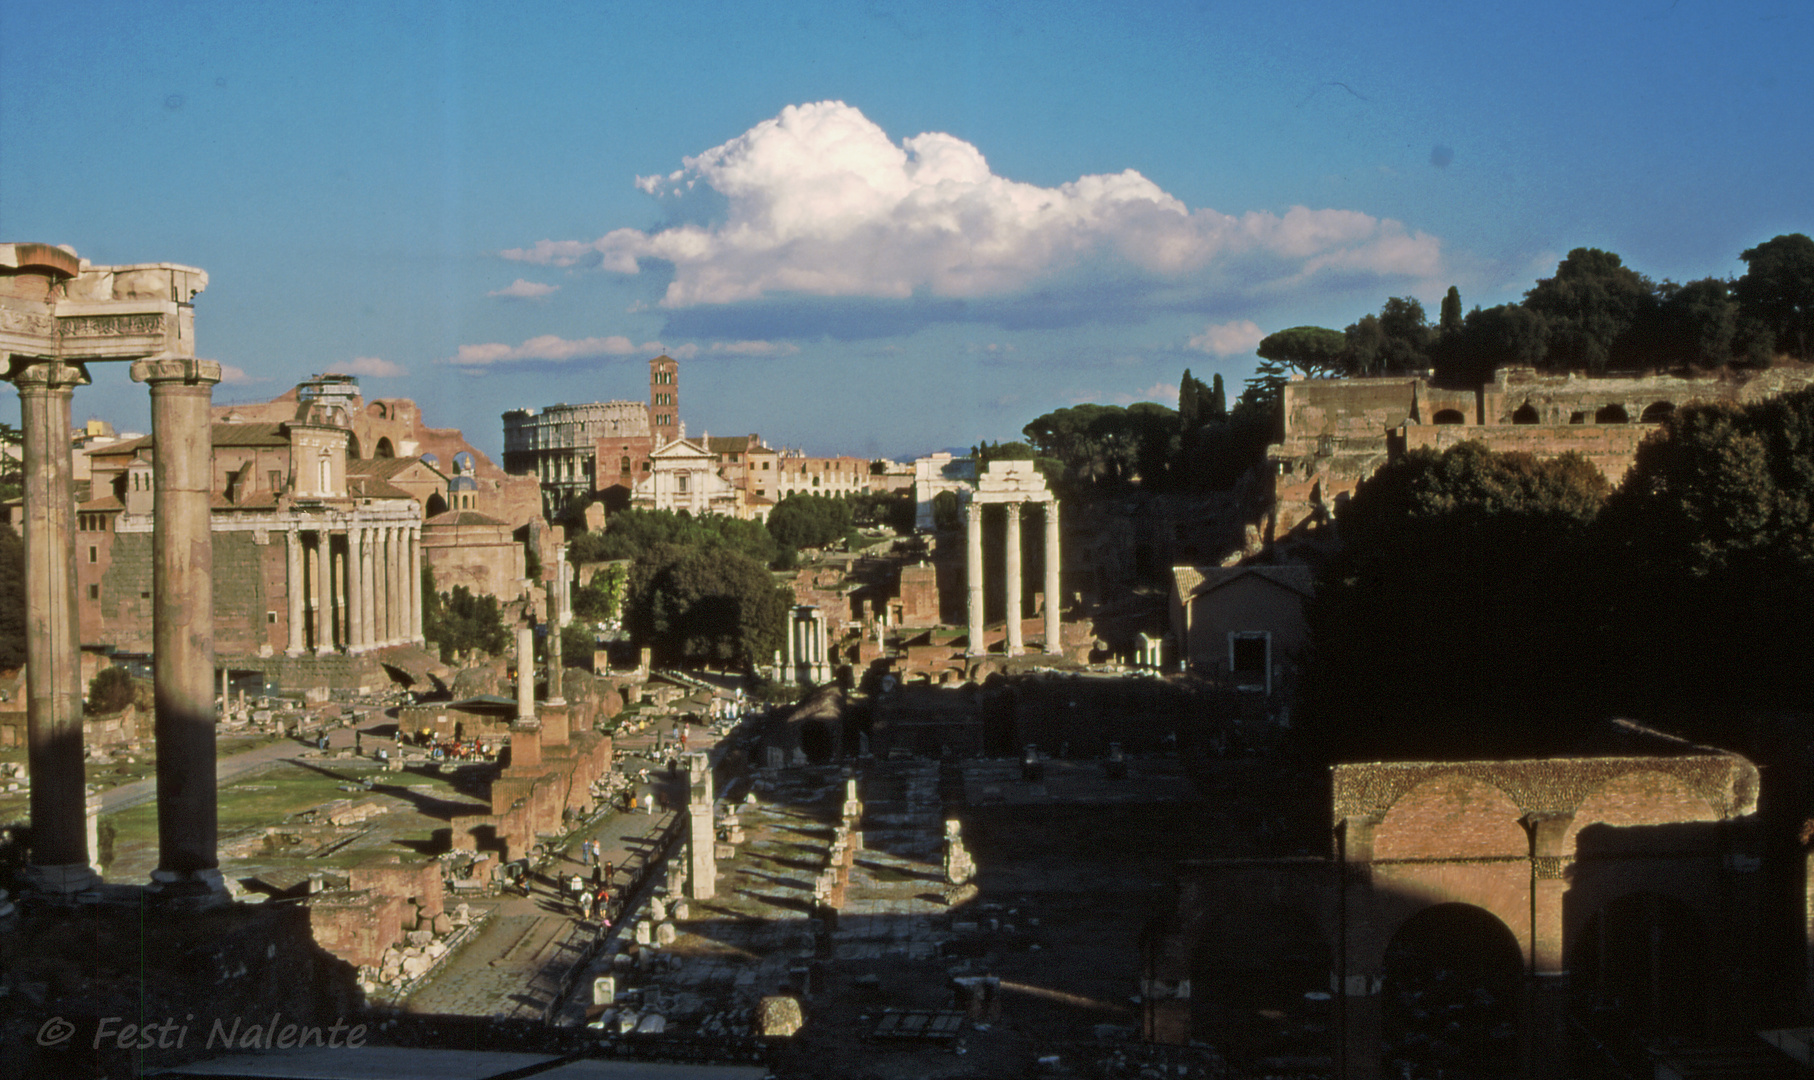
pixel 1639 797
pixel 1451 816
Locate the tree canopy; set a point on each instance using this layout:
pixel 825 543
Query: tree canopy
pixel 809 521
pixel 629 533
pixel 700 604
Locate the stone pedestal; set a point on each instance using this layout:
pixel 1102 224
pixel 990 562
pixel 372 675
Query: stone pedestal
pixel 183 625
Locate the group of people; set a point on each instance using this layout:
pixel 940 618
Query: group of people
pixel 593 901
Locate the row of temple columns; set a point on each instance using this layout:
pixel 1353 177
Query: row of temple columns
pixel 182 626
pixel 355 588
pixel 806 647
pixel 973 576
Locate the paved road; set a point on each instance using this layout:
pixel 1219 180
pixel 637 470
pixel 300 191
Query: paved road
pixel 513 967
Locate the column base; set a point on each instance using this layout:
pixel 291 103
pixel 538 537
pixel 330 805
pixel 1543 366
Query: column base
pixel 294 653
pixel 189 889
pixel 61 879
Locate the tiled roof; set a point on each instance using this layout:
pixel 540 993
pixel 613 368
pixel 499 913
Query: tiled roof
pixel 1197 580
pixel 384 467
pixel 372 487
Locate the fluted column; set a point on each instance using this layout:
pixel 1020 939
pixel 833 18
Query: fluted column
pixel 1012 567
pixel 368 607
pixel 53 676
pixel 293 544
pixel 415 584
pixel 394 582
pixel 322 595
pixel 183 626
pixel 525 674
pixel 381 566
pixel 973 574
pixel 1054 597
pixel 355 590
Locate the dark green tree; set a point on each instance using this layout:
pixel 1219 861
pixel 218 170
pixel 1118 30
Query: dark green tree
pixel 1599 312
pixel 1440 630
pixel 695 605
pixel 12 600
pixel 1699 322
pixel 1218 400
pixel 12 463
pixel 809 521
pixel 1312 351
pixel 1776 292
pixel 1451 313
pixel 109 691
pixel 947 512
pixel 1509 335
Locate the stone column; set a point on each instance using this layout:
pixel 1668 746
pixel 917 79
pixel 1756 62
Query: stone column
pixel 702 832
pixel 525 673
pixel 555 670
pixel 1543 1026
pixel 415 585
pixel 296 588
pixel 368 584
pixel 973 574
pixel 394 569
pixel 183 627
pixel 386 571
pixel 1013 575
pixel 322 595
pixel 355 589
pixel 1054 597
pixel 53 678
pixel 1358 1013
pixel 788 667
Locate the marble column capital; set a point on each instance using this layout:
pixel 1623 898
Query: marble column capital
pixel 183 370
pixel 33 373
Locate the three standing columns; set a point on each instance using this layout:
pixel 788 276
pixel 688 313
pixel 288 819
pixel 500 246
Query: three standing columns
pixel 973 524
pixel 182 582
pixel 59 814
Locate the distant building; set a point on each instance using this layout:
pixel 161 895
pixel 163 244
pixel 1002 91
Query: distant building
pixel 604 446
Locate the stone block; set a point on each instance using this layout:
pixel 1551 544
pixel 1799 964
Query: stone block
pixel 604 990
pixel 779 1016
pixel 665 934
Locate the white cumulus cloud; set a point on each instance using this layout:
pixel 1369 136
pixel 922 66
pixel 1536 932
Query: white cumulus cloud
pixel 549 347
pixel 374 366
pixel 1228 339
pixel 523 289
pixel 820 201
pixel 235 376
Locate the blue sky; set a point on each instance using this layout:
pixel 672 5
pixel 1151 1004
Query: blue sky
pixel 873 229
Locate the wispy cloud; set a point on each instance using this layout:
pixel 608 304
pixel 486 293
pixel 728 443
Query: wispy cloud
pixel 1162 392
pixel 524 289
pixel 549 348
pixel 236 376
pixel 373 366
pixel 1227 339
pixel 819 201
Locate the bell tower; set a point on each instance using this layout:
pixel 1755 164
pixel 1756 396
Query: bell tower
pixel 664 399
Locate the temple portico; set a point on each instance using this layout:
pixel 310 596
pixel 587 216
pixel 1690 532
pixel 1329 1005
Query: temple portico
pixel 57 314
pixel 1012 484
pixel 354 578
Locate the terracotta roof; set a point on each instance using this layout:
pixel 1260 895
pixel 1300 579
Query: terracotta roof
pixel 372 487
pixel 731 444
pixel 385 467
pixel 1197 580
pixel 221 435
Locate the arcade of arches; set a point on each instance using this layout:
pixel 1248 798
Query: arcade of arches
pixel 1508 899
